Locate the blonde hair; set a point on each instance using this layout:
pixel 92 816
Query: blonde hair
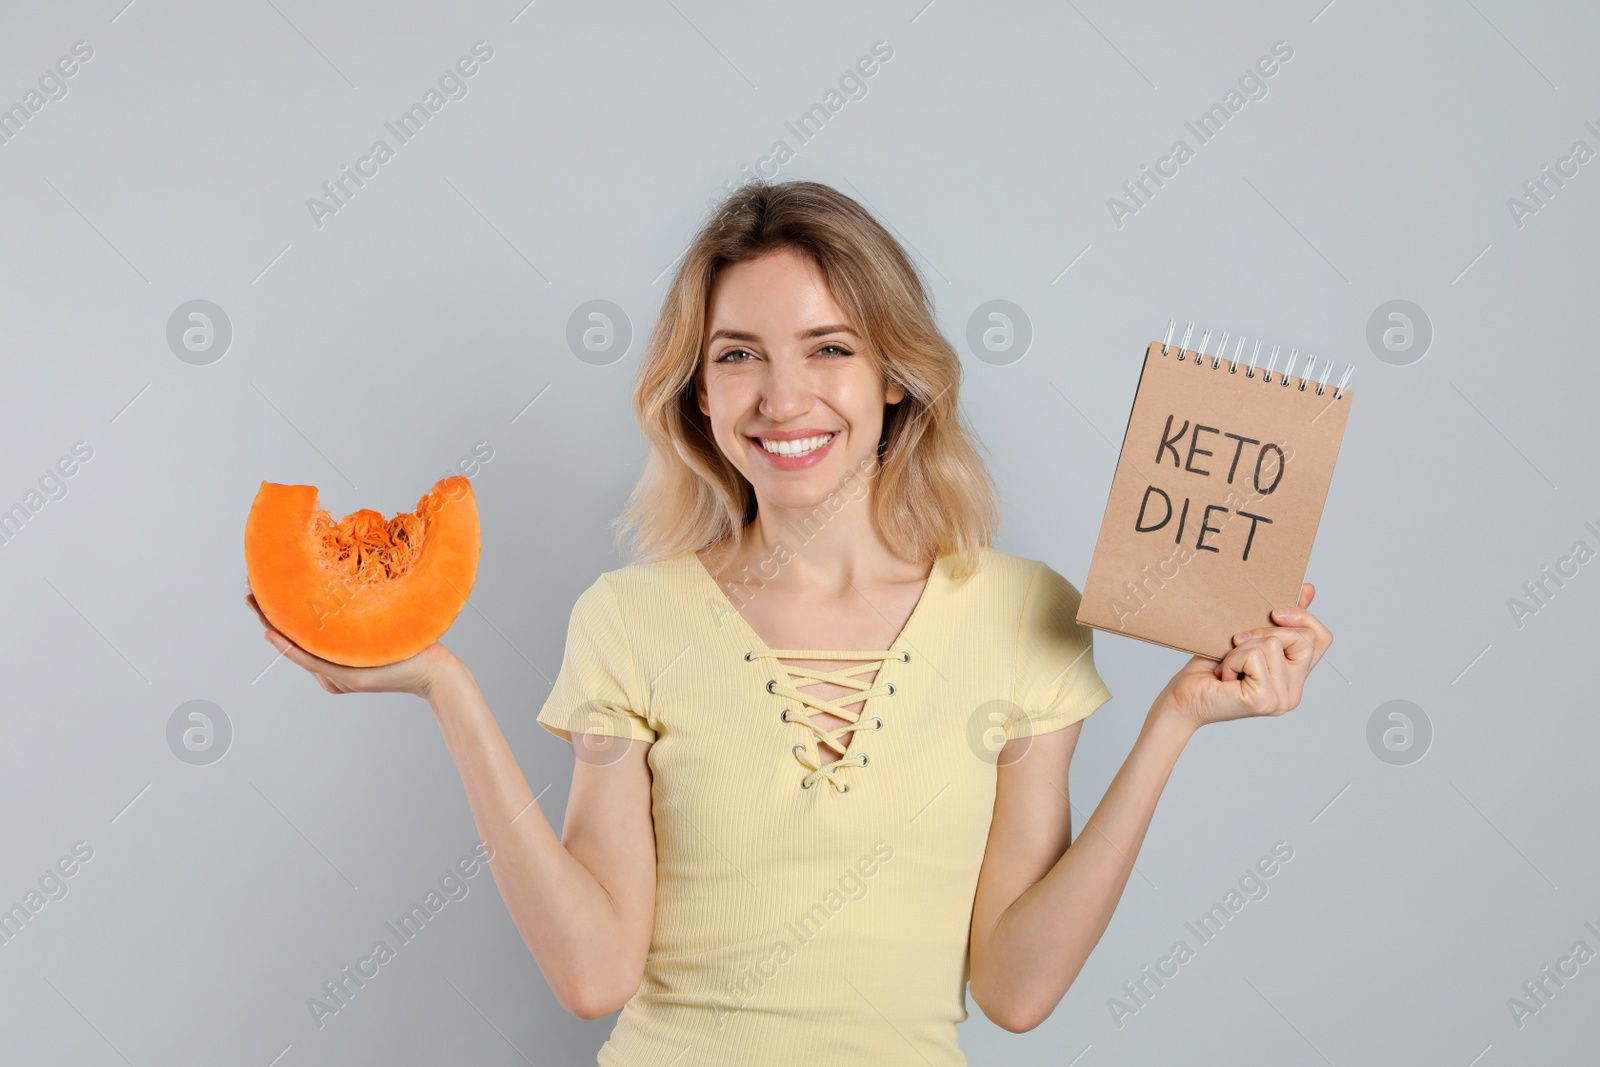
pixel 935 495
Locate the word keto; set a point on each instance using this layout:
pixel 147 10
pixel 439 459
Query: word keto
pixel 852 86
pixel 338 988
pixel 1539 991
pixel 452 86
pixel 52 886
pixel 1580 554
pixel 52 86
pixel 1253 85
pixel 1169 442
pixel 1579 154
pixel 1140 593
pixel 851 886
pixel 1252 886
pixel 52 486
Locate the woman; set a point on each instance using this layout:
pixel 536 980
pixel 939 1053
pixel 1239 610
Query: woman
pixel 801 821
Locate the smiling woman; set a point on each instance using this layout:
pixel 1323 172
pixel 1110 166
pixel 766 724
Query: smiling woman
pixel 817 654
pixel 872 665
pixel 746 376
pixel 793 288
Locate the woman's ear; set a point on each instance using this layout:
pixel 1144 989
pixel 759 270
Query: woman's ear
pixel 894 394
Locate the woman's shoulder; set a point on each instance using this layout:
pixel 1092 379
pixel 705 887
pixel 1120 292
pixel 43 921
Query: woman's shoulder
pixel 1012 577
pixel 655 577
pixel 675 576
pixel 650 593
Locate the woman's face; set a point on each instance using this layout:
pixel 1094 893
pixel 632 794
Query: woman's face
pixel 783 365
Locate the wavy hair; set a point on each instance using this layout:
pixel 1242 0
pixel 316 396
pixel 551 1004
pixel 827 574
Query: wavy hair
pixel 934 494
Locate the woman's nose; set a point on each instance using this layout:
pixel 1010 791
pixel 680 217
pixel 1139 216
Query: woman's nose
pixel 786 392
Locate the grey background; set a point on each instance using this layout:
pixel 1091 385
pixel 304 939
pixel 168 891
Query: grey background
pixel 370 354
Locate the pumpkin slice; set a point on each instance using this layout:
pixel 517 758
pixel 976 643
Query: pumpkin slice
pixel 362 591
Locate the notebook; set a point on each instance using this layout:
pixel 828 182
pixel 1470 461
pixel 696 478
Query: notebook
pixel 1218 491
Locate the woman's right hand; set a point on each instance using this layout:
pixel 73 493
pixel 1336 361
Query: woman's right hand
pixel 415 675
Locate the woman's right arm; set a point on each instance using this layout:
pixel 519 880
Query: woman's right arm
pixel 585 902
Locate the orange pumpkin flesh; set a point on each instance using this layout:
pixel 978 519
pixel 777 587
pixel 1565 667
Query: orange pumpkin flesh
pixel 362 591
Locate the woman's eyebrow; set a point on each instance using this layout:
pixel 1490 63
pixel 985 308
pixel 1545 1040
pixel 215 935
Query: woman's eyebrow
pixel 823 331
pixel 815 331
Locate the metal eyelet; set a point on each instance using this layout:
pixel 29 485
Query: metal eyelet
pixel 905 657
pixel 863 759
pixel 891 687
pixel 844 789
pixel 805 784
pixel 798 750
pixel 747 658
pixel 879 721
pixel 784 714
pixel 770 683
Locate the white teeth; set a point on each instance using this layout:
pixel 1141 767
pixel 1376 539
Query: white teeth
pixel 801 447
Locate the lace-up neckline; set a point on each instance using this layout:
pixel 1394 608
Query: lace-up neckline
pixel 784 681
pixel 809 751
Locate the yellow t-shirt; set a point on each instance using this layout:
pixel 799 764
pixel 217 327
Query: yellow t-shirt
pixel 806 912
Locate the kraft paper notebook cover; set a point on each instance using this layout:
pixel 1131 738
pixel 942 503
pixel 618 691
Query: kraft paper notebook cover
pixel 1216 498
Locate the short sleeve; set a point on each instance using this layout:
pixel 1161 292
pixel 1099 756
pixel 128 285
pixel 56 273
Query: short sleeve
pixel 597 690
pixel 1056 683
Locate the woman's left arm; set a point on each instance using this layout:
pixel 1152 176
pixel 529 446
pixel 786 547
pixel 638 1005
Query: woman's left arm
pixel 1040 905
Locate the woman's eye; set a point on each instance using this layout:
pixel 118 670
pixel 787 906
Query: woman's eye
pixel 730 355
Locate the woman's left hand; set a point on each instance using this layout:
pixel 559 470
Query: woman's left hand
pixel 1263 674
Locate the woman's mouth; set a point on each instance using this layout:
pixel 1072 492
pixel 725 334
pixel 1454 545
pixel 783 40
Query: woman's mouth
pixel 794 455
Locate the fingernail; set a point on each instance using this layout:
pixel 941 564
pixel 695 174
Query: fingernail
pixel 1244 636
pixel 1280 614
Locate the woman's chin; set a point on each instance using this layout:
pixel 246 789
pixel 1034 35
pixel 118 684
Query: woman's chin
pixel 792 497
pixel 806 493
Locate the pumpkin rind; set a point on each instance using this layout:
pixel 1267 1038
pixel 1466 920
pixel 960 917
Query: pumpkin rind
pixel 362 591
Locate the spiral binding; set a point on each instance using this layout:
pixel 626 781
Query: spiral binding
pixel 1250 368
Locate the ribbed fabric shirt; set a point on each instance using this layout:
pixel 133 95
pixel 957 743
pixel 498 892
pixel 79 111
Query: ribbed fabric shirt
pixel 814 912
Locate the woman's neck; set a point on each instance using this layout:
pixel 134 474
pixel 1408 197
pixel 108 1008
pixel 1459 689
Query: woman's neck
pixel 815 549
